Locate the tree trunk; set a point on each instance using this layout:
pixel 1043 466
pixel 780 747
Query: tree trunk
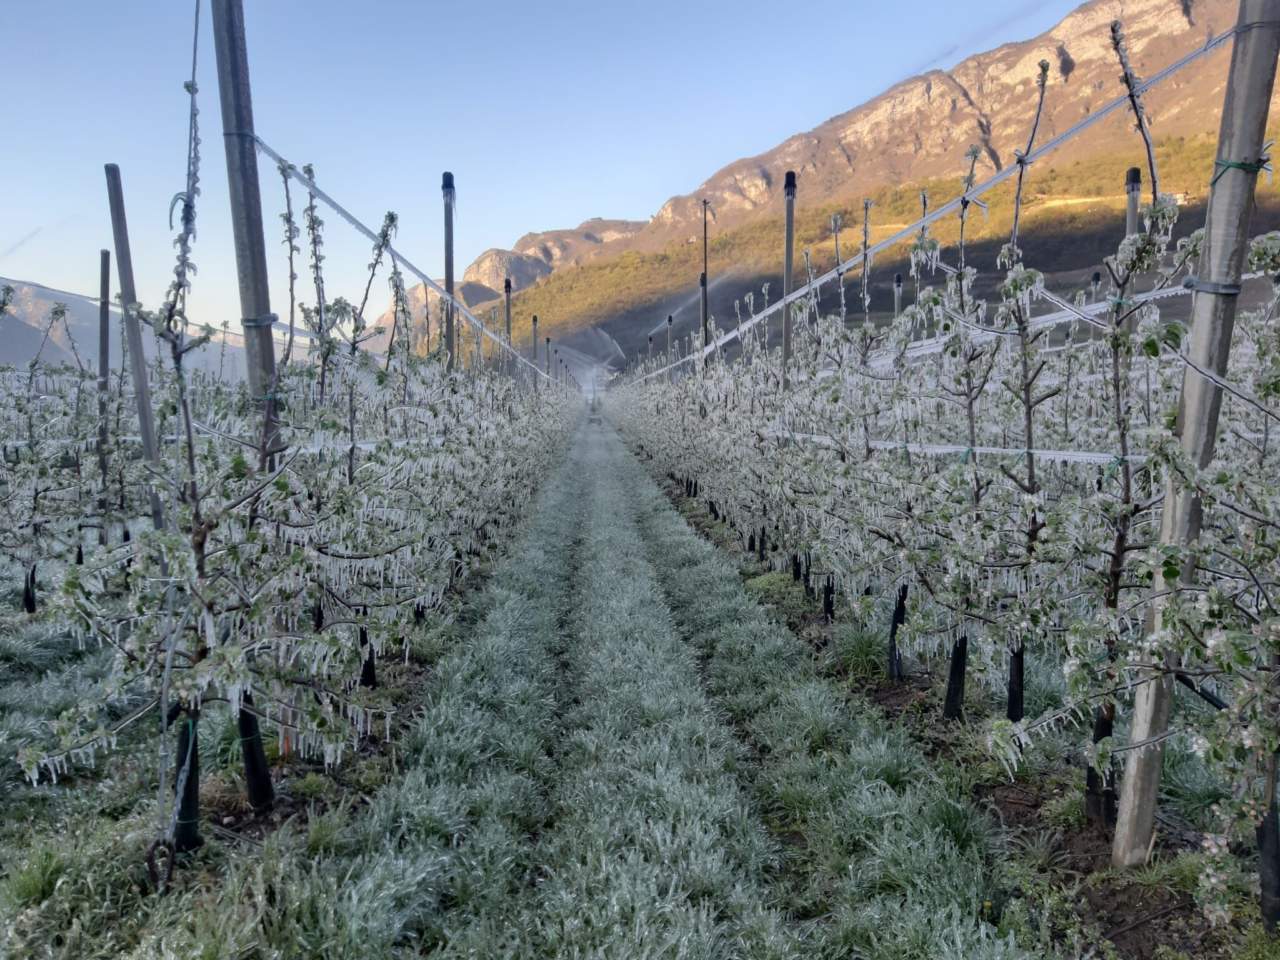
pixel 186 834
pixel 29 590
pixel 1100 787
pixel 257 776
pixel 899 618
pixel 368 670
pixel 1016 672
pixel 953 708
pixel 1268 833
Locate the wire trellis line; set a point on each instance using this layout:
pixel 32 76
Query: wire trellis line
pixel 295 174
pixel 801 292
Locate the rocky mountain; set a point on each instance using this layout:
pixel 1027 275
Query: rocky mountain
pixel 23 326
pixel 921 127
pixel 558 248
pixel 494 265
pixel 536 255
pixel 426 312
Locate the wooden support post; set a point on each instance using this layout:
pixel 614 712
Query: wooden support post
pixel 246 201
pixel 255 302
pixel 133 333
pixel 1250 81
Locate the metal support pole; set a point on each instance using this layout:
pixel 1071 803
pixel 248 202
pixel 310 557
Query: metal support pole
pixel 104 358
pixel 897 295
pixel 450 343
pixel 702 281
pixel 702 291
pixel 246 198
pixel 1133 193
pixel 506 293
pixel 1250 81
pixel 104 384
pixel 133 333
pixel 669 321
pixel 548 356
pixel 789 191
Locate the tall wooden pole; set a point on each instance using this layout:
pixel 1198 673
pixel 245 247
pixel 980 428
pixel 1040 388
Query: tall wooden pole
pixel 133 333
pixel 246 199
pixel 446 187
pixel 255 306
pixel 789 191
pixel 1231 200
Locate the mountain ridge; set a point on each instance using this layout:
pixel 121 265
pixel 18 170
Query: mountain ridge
pixel 916 131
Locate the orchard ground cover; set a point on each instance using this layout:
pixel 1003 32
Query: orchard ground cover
pixel 614 748
pixel 1061 895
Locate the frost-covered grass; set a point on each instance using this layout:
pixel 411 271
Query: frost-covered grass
pixel 653 849
pixel 433 849
pixel 885 860
pixel 43 671
pixel 624 756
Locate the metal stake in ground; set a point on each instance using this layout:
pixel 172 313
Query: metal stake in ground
pixel 246 200
pixel 446 186
pixel 1132 195
pixel 1231 199
pixel 789 191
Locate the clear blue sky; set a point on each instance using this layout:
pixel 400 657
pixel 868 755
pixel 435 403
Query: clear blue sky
pixel 548 113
